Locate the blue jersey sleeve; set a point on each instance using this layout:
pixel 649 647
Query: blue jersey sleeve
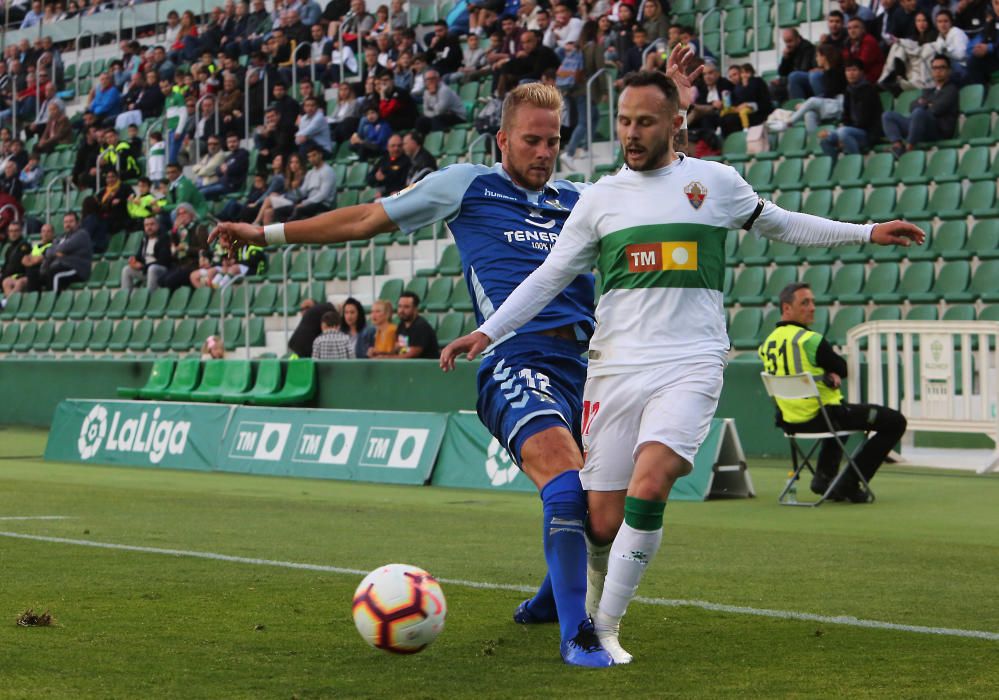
pixel 437 197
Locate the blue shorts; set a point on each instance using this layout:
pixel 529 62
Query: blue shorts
pixel 530 383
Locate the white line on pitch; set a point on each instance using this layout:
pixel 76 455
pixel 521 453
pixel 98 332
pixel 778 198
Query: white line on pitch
pixel 666 602
pixel 35 517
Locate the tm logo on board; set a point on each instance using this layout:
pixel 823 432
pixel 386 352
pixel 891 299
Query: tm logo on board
pixel 260 441
pixel 394 448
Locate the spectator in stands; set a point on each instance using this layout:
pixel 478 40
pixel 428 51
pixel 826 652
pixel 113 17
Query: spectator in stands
pixel 951 42
pixel 232 171
pixel 354 324
pixel 907 64
pixel 69 257
pixel 828 104
pixel 813 354
pixel 983 52
pixel 139 204
pixel 32 173
pixel 206 127
pixel 633 57
pixel 398 18
pixel 185 47
pixel 288 194
pixel 750 102
pixel 346 117
pixel 384 341
pixel 212 349
pixel 151 261
pixel 272 142
pixel 32 263
pixel 836 30
pixel 357 22
pixel 188 240
pixel 970 15
pixel 10 182
pixel 206 170
pixel 421 161
pixel 309 327
pixel 84 171
pixel 444 50
pixel 49 98
pixel 902 23
pixel 231 104
pixel 332 343
pixel 113 203
pixel 851 9
pixel 861 127
pixel 442 108
pixel 286 107
pixel 105 100
pixel 172 29
pixel 865 47
pixel 388 175
pixel 15 252
pixel 34 16
pixel 247 261
pixel 313 130
pixel 372 135
pixel 705 114
pixel 655 22
pixel 934 113
pixel 318 191
pixel 415 338
pixel 395 106
pixel 531 60
pixel 563 29
pixel 798 74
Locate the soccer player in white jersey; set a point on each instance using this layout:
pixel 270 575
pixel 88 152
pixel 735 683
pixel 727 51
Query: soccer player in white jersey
pixel 656 231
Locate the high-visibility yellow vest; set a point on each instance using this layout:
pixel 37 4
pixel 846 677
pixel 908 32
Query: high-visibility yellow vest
pixel 38 248
pixel 791 349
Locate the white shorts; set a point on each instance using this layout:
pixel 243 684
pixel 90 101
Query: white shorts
pixel 672 405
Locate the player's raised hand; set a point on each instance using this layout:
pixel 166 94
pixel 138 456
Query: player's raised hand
pixel 897 233
pixel 471 344
pixel 678 70
pixel 233 235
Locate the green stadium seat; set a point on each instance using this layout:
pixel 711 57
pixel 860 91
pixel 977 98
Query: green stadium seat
pixel 265 301
pixel 101 336
pixel 298 269
pixel 959 312
pixel 885 313
pixel 818 277
pixel 945 202
pixel 974 131
pixel 267 381
pixel 985 282
pixel 159 341
pixel 923 312
pixel 438 295
pixel 984 239
pixel 46 300
pixel 13 306
pixel 784 253
pixel 29 302
pixel 419 286
pixel 734 147
pixel 942 167
pixel 882 279
pixel 177 305
pixel 8 337
pixel 138 300
pixel 948 242
pixel 760 176
pixel 62 337
pixel 450 326
pixel 848 171
pixel 232 332
pixel 159 379
pixel 63 304
pixel 324 265
pixel 373 261
pixel 197 305
pixel 113 279
pixel 989 313
pixel 183 335
pixel 117 305
pixel 745 328
pixel 158 300
pixel 99 274
pixel 120 337
pixel 880 204
pixel 460 299
pixel 357 175
pixel 80 307
pixel 903 103
pixel 909 169
pixel 731 246
pixel 779 278
pixel 299 386
pixel 845 319
pixel 913 203
pixel 748 287
pixel 971 99
pixel 434 143
pixel 788 176
pixel 235 378
pixel 917 279
pixel 81 335
pixel 471 323
pixel 292 293
pixel 792 143
pixel 116 246
pixel 391 290
pixel 349 264
pixel 974 166
pixel 847 281
pixel 185 379
pixel 818 172
pixel 43 337
pixel 237 298
pixel 770 320
pixel 849 205
pixel 258 335
pixel 979 201
pixel 879 170
pixel 450 262
pixel 454 142
pixel 753 250
pixel 26 339
pixel 206 327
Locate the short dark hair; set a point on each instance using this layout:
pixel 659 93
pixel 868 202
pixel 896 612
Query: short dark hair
pixel 331 319
pixel 853 63
pixel 145 180
pixel 441 23
pixel 411 295
pixel 645 78
pixel 416 136
pixel 786 295
pixel 940 57
pixel 174 164
pixel 835 13
pixel 944 12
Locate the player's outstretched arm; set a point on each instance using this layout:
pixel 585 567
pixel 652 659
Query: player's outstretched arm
pixel 354 223
pixel 472 345
pixel 897 233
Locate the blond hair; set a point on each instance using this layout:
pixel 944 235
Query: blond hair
pixel 386 306
pixel 533 94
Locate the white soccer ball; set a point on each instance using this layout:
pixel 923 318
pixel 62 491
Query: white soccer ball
pixel 399 608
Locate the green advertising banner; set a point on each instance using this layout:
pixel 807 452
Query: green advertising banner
pixel 135 433
pixel 472 458
pixel 381 446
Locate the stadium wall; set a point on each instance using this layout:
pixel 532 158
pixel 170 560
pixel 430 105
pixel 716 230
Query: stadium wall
pixel 32 389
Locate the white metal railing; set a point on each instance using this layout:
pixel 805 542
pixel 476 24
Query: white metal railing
pixel 589 116
pixel 231 289
pixel 940 374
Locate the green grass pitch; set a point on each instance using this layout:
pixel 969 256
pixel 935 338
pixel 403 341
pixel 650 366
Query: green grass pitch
pixel 133 624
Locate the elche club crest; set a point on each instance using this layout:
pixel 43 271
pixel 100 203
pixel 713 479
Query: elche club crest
pixel 696 193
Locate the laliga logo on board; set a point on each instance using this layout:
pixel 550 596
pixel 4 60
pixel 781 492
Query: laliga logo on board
pixel 500 468
pixel 131 435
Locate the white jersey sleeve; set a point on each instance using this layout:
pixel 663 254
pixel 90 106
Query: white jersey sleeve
pixel 573 254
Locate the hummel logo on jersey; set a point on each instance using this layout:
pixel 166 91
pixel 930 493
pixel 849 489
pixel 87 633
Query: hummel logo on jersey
pixel 490 193
pixel 696 194
pixel 670 255
pixel 536 214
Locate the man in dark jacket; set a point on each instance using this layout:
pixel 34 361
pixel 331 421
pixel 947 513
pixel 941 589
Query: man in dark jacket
pixel 444 52
pixel 151 259
pixel 389 174
pixel 68 260
pixel 983 49
pixel 421 162
pixel 861 127
pixel 705 114
pixel 233 170
pixel 934 113
pixel 309 328
pixel 795 69
pixel 531 61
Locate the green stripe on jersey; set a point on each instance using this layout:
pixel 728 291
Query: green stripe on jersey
pixel 664 255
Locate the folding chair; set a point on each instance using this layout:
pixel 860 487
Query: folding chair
pixel 802 386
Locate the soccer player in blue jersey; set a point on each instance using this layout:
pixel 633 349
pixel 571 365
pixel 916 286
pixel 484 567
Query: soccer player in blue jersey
pixel 504 220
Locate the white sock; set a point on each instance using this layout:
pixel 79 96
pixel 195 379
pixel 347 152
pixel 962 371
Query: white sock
pixel 596 570
pixel 631 552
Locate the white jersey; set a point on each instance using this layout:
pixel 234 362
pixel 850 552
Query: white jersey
pixel 658 240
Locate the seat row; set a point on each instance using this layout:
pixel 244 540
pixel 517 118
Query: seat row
pixel 884 283
pixel 228 381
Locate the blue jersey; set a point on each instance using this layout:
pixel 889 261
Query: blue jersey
pixel 503 233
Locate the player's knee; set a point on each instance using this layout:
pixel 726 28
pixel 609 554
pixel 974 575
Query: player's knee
pixel 602 526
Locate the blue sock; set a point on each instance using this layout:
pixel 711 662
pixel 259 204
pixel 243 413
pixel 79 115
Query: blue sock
pixel 542 605
pixel 565 549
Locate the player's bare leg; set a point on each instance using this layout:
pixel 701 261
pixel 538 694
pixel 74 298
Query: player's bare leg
pixel 637 542
pixel 605 518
